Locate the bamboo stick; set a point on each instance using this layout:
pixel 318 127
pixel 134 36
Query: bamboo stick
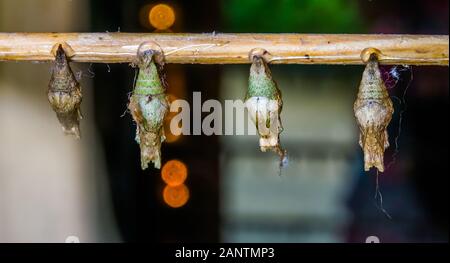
pixel 228 48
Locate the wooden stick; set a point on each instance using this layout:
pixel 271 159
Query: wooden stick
pixel 228 48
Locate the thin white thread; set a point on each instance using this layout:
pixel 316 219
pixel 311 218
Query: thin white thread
pixel 404 108
pixel 191 46
pixel 378 194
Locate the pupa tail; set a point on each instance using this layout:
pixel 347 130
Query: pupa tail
pixel 374 141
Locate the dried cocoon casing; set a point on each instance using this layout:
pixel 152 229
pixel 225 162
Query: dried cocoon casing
pixel 148 106
pixel 264 104
pixel 64 94
pixel 373 111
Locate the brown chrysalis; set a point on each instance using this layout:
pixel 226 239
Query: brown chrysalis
pixel 64 94
pixel 373 111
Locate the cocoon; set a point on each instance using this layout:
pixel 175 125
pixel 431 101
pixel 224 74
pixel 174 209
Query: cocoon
pixel 148 106
pixel 264 104
pixel 373 111
pixel 64 94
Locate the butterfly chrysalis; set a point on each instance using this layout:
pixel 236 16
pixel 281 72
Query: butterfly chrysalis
pixel 264 104
pixel 373 111
pixel 64 94
pixel 148 106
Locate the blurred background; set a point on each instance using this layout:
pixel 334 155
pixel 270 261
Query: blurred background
pixel 222 188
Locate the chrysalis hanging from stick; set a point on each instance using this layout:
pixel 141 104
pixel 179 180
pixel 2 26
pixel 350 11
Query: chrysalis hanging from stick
pixel 148 106
pixel 264 104
pixel 64 94
pixel 373 111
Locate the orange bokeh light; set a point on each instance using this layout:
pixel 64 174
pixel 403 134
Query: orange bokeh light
pixel 161 16
pixel 170 137
pixel 174 172
pixel 176 196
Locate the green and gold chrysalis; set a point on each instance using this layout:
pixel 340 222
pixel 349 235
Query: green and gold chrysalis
pixel 148 106
pixel 264 104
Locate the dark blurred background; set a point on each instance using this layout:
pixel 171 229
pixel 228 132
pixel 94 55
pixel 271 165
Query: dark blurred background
pixel 235 194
